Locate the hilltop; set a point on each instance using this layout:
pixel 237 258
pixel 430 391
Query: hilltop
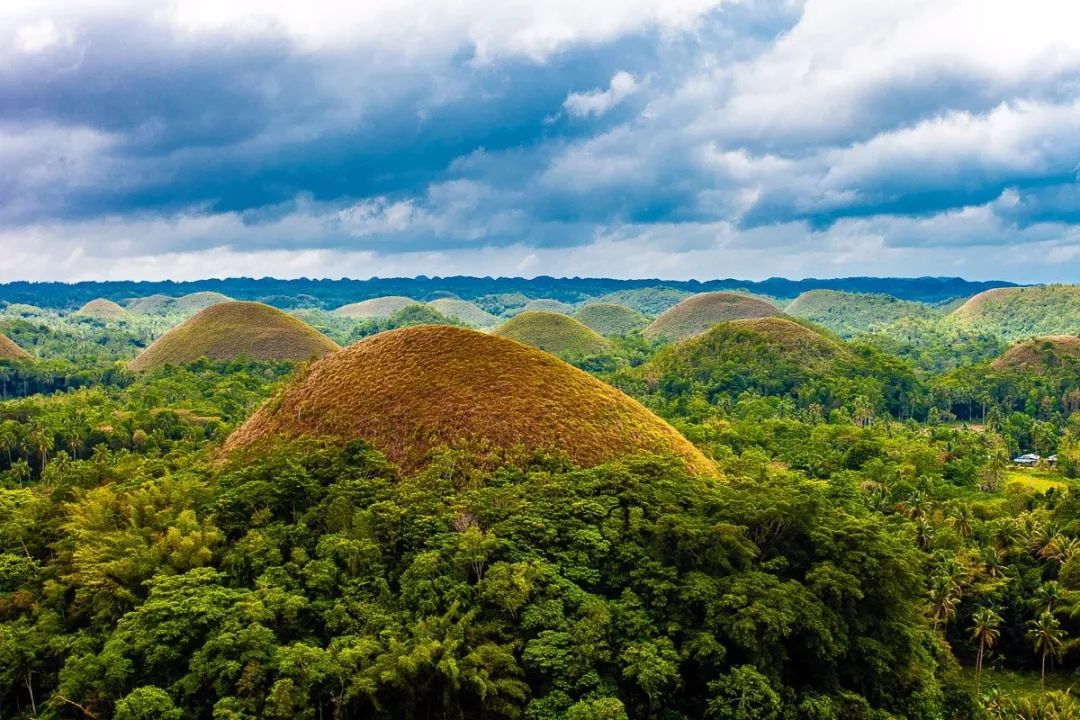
pixel 10 351
pixel 225 331
pixel 647 301
pixel 105 310
pixel 194 302
pixel 610 319
pixel 554 333
pixel 185 304
pixel 408 392
pixel 464 311
pixel 850 314
pixel 548 305
pixel 698 313
pixel 1022 312
pixel 375 308
pixel 1041 355
pixel 151 305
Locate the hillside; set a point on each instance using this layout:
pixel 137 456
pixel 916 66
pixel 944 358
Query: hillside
pixel 152 305
pixel 194 302
pixel 375 308
pixel 407 392
pixel 849 314
pixel 1044 355
pixel 1022 312
pixel 554 333
pixel 10 351
pixel 698 313
pixel 465 312
pixel 232 330
pixel 647 301
pixel 548 305
pixel 104 310
pixel 609 319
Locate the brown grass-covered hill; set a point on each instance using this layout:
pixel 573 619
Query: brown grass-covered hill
pixel 1018 313
pixel 557 334
pixel 375 308
pixel 10 351
pixel 610 319
pixel 410 391
pixel 104 310
pixel 465 312
pixel 698 313
pixel 1053 353
pixel 235 330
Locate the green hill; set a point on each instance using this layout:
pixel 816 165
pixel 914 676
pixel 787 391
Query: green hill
pixel 1044 355
pixel 465 312
pixel 104 310
pixel 548 305
pixel 647 301
pixel 195 302
pixel 10 351
pixel 698 313
pixel 554 333
pixel 1018 313
pixel 849 314
pixel 375 308
pixel 407 392
pixel 608 319
pixel 152 305
pixel 226 331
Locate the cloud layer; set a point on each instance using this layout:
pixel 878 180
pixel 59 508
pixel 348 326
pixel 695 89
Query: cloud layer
pixel 680 138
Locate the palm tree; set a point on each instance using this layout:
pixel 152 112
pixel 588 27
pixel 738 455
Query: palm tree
pixel 1048 595
pixel 985 632
pixel 1046 637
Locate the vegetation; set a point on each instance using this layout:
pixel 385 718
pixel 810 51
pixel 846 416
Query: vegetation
pixel 608 319
pixel 698 313
pixel 549 306
pixel 465 312
pixel 233 330
pixel 376 308
pixel 1022 312
pixel 185 305
pixel 10 351
pixel 104 310
pixel 1052 354
pixel 647 301
pixel 554 333
pixel 850 314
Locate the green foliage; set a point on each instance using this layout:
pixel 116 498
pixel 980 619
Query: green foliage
pixel 851 314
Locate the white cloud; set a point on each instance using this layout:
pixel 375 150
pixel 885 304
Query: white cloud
pixel 598 102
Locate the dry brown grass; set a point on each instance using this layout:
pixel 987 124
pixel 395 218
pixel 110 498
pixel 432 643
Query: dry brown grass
pixel 10 351
pixel 554 333
pixel 226 331
pixel 105 310
pixel 698 313
pixel 411 391
pixel 376 308
pixel 1040 354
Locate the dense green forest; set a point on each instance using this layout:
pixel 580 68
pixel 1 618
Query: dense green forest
pixel 862 547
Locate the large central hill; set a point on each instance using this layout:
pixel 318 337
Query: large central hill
pixel 849 314
pixel 10 351
pixel 554 333
pixel 1022 312
pixel 226 331
pixel 410 391
pixel 698 313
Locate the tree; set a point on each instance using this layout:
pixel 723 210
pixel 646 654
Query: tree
pixel 1046 638
pixel 985 632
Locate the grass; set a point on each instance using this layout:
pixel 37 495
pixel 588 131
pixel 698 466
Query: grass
pixel 609 319
pixel 152 305
pixel 1018 313
pixel 10 351
pixel 1019 685
pixel 698 313
pixel 105 310
pixel 1038 480
pixel 376 308
pixel 408 392
pixel 852 313
pixel 554 333
pixel 234 330
pixel 548 305
pixel 1041 355
pixel 464 311
pixel 194 302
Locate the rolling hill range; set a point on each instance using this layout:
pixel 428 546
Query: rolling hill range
pixel 1042 355
pixel 375 308
pixel 849 314
pixel 464 311
pixel 10 351
pixel 407 392
pixel 104 310
pixel 1020 313
pixel 609 319
pixel 554 333
pixel 698 313
pixel 227 331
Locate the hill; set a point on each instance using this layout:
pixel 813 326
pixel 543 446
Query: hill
pixel 698 313
pixel 407 392
pixel 610 319
pixel 1019 313
pixel 10 351
pixel 233 330
pixel 105 310
pixel 554 333
pixel 1044 355
pixel 194 302
pixel 152 305
pixel 849 314
pixel 465 312
pixel 375 308
pixel 548 305
pixel 647 301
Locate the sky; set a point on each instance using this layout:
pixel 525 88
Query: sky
pixel 145 139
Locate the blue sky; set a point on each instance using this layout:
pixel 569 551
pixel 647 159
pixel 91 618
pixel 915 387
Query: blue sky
pixel 625 138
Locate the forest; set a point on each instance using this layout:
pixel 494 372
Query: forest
pixel 688 506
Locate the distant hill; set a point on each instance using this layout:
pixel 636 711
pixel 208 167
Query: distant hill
pixel 184 305
pixel 1043 355
pixel 104 310
pixel 850 314
pixel 554 333
pixel 1022 312
pixel 226 331
pixel 10 351
pixel 408 392
pixel 152 305
pixel 609 319
pixel 465 312
pixel 375 308
pixel 649 301
pixel 548 305
pixel 194 302
pixel 698 313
